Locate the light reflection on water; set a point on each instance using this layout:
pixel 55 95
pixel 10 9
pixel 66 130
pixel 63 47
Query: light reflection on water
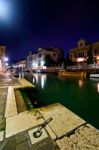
pixel 40 79
pixel 80 83
pixel 80 96
pixel 98 87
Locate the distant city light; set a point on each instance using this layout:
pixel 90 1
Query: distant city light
pixel 15 66
pixel 6 64
pixel 80 59
pixel 44 67
pixel 42 62
pixel 36 65
pixel 6 59
pixel 97 57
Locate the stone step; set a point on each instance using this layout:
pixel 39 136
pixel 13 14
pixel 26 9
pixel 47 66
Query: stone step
pixel 21 106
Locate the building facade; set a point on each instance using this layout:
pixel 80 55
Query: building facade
pixel 2 55
pixel 18 64
pixel 37 59
pixel 80 53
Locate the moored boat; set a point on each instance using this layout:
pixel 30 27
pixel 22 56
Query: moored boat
pixel 71 74
pixel 94 75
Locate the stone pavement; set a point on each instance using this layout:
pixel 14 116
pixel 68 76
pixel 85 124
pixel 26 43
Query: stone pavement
pixel 84 138
pixel 22 141
pixel 66 131
pixel 3 96
pixel 7 80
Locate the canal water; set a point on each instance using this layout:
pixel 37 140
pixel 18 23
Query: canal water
pixel 79 95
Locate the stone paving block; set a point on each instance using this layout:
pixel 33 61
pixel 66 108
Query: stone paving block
pixel 45 144
pixel 3 144
pixel 65 144
pixel 64 121
pixel 1 135
pixel 84 138
pixel 3 99
pixel 21 137
pixel 89 134
pixel 21 122
pixel 36 140
pixel 11 108
pixel 2 122
pixel 3 96
pixel 26 145
pixel 25 83
pixel 51 133
pixel 2 108
pixel 10 144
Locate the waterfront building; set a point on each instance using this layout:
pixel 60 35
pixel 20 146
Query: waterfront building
pixel 2 55
pixel 17 66
pixel 79 54
pixel 37 59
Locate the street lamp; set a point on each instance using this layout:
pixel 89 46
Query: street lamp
pixel 6 64
pixel 6 59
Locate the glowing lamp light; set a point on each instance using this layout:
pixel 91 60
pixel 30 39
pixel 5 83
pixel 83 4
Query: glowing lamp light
pixel 97 57
pixel 36 65
pixel 80 59
pixel 42 62
pixel 6 64
pixel 44 67
pixel 6 59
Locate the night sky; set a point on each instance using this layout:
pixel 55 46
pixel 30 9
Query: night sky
pixel 29 24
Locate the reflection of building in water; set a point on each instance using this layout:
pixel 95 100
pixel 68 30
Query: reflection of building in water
pixel 43 80
pixel 40 79
pixel 98 87
pixel 80 83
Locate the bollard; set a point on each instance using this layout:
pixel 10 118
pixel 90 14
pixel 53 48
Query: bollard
pixel 38 133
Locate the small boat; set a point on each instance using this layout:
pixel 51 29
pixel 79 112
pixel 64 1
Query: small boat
pixel 95 79
pixel 94 75
pixel 71 74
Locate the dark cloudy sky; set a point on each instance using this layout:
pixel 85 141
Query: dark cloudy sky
pixel 29 24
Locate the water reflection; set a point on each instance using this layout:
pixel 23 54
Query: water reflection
pixel 80 96
pixel 40 79
pixel 80 83
pixel 98 87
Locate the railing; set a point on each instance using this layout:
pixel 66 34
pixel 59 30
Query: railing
pixel 81 67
